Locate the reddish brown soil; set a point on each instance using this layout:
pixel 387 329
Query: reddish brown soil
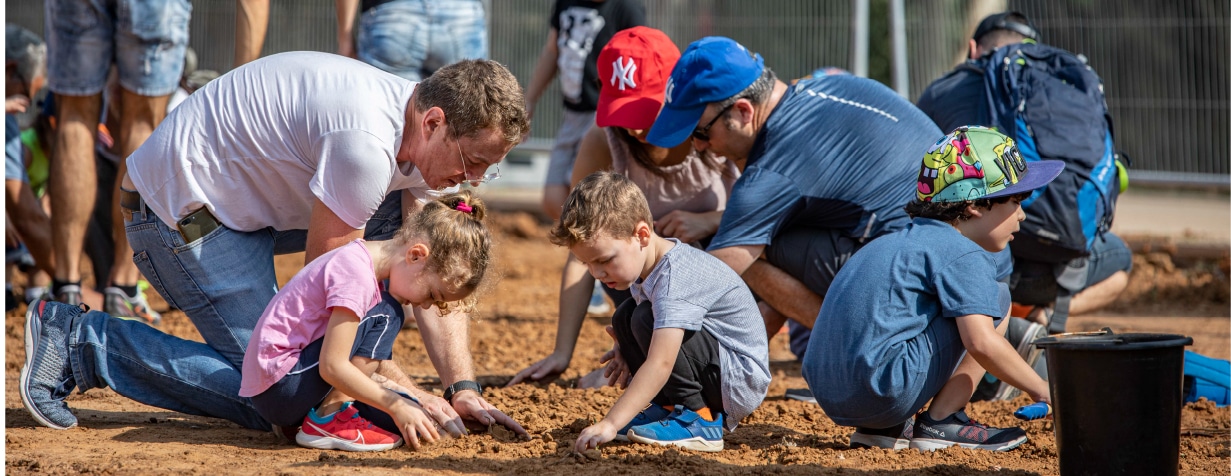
pixel 517 326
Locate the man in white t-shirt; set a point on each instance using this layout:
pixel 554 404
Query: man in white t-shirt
pixel 294 152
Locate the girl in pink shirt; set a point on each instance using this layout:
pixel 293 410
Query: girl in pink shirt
pixel 310 357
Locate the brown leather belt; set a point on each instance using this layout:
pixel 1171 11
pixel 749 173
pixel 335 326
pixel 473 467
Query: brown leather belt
pixel 131 200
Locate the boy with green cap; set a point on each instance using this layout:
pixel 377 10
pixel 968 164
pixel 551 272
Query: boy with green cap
pixel 916 315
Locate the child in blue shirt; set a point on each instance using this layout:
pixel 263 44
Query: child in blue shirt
pixel 690 343
pixel 917 315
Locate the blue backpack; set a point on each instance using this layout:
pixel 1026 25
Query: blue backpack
pixel 1051 103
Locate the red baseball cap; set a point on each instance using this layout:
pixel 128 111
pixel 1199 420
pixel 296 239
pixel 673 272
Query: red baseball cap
pixel 634 68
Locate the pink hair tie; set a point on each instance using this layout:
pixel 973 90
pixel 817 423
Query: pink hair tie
pixel 464 208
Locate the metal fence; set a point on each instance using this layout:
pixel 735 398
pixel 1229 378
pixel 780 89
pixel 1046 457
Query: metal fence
pixel 1164 64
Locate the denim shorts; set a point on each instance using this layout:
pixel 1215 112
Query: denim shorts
pixel 14 165
pixel 146 38
pixel 568 140
pixel 414 38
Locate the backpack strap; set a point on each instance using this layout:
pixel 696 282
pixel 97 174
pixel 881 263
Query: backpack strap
pixel 1070 279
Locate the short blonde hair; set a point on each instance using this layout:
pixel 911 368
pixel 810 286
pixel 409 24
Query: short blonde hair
pixel 602 203
pixel 460 243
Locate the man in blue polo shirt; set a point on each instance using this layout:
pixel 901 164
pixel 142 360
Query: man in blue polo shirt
pixel 828 164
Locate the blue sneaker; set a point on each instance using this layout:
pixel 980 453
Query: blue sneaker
pixel 47 379
pixel 651 414
pixel 683 428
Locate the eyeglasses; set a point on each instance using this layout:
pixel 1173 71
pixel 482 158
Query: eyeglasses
pixel 466 174
pixel 704 132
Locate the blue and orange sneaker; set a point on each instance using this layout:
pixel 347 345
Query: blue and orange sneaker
pixel 683 428
pixel 345 430
pixel 651 414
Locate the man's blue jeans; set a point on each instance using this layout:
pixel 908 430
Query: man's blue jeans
pixel 222 281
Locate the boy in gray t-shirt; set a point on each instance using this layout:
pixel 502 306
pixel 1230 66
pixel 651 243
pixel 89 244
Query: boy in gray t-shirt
pixel 690 345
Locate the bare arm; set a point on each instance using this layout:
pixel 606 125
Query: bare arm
pixel 326 231
pixel 251 23
pixel 447 339
pixel 391 376
pixel 649 380
pixel 576 285
pixel 346 26
pixel 777 288
pixel 593 155
pixel 544 72
pixel 994 353
pixel 783 292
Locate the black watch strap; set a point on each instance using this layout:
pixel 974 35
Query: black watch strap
pixel 462 385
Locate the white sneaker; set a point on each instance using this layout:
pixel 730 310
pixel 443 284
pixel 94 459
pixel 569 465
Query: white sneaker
pixel 598 300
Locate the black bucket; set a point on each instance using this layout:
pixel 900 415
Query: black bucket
pixel 1116 400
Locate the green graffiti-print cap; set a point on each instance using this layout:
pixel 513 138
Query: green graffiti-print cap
pixel 975 162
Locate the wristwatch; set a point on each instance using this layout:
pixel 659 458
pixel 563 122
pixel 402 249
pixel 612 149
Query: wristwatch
pixel 462 385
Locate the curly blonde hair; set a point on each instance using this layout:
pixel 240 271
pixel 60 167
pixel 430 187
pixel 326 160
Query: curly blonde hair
pixel 460 243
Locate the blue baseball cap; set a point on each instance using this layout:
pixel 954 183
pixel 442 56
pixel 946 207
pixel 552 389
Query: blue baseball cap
pixel 712 69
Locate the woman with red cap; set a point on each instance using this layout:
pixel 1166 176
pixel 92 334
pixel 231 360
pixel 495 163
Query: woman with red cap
pixel 686 190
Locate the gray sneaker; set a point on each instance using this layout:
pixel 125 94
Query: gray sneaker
pixel 121 305
pixel 1021 335
pixel 69 294
pixel 896 437
pixel 46 378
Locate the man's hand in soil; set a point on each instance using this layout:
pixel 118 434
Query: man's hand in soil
pixel 474 408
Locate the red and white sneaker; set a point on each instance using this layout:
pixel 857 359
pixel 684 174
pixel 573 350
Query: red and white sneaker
pixel 346 431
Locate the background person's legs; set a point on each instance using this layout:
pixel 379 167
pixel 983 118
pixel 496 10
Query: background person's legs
pixel 1110 262
pixel 563 155
pixel 139 116
pixel 72 187
pixel 150 39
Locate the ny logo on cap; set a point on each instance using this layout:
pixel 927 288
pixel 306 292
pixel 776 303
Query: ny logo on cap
pixel 670 89
pixel 623 73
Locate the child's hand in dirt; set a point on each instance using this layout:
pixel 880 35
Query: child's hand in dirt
pixel 595 435
pixel 443 414
pixel 549 367
pixel 414 423
pixel 617 372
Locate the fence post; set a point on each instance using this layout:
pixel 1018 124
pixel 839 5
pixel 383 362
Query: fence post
pixel 859 38
pixel 897 27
